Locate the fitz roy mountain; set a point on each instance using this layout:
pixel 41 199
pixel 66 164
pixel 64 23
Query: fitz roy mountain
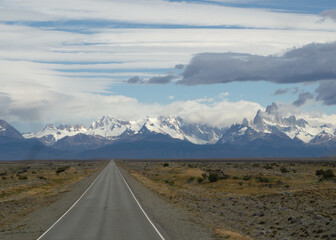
pixel 270 124
pixel 269 134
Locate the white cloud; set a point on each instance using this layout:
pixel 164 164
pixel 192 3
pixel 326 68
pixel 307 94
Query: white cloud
pixel 36 103
pixel 158 12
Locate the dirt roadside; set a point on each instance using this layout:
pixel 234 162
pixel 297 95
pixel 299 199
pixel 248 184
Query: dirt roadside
pixel 177 223
pixel 34 224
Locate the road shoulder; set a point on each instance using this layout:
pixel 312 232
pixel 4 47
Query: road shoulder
pixel 170 220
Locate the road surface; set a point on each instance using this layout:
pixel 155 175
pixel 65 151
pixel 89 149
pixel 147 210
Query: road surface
pixel 107 210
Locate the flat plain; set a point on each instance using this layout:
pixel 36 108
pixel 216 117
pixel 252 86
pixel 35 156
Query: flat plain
pixel 289 199
pixel 26 187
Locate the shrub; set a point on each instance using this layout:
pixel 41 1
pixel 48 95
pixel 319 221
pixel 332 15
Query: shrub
pixel 224 177
pixel 42 177
pixel 328 174
pixel 166 165
pixel 267 166
pixel 284 170
pixel 190 180
pixel 263 179
pixel 3 173
pixel 22 177
pixel 235 177
pixel 325 175
pixel 61 169
pixel 170 182
pixel 204 175
pixel 199 180
pixel 247 177
pixel 213 177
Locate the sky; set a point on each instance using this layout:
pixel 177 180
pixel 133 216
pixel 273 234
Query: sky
pixel 207 61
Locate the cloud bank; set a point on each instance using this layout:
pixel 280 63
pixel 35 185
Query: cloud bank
pixel 311 63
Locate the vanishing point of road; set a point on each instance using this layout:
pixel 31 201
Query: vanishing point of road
pixel 107 210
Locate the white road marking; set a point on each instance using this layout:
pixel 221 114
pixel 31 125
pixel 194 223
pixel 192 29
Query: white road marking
pixel 72 205
pixel 140 205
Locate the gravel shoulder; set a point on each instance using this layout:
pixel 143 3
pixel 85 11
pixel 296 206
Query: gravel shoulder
pixel 173 222
pixel 36 223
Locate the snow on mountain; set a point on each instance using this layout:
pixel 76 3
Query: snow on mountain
pixel 272 122
pixel 6 130
pixel 51 134
pixel 108 127
pixel 112 129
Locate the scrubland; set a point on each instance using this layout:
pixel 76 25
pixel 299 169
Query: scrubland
pixel 26 186
pixel 248 199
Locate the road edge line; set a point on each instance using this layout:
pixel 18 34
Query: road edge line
pixel 71 206
pixel 157 231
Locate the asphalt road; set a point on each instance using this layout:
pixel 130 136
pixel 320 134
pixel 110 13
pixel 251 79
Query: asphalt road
pixel 108 210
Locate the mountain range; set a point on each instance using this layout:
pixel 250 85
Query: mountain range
pixel 269 134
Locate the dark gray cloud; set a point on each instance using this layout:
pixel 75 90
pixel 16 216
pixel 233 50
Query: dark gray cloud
pixel 161 79
pixel 313 62
pixel 135 80
pixel 179 66
pixel 327 92
pixel 329 14
pixel 154 80
pixel 303 98
pixel 281 91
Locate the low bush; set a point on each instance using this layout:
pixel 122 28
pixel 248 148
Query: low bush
pixel 263 179
pixel 284 170
pixel 61 169
pixel 247 177
pixel 190 180
pixel 41 177
pixel 169 181
pixel 325 175
pixel 213 177
pixel 22 177
pixel 166 165
pixel 199 180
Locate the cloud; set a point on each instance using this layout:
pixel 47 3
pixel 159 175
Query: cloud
pixel 329 14
pixel 179 66
pixel 135 80
pixel 153 80
pixel 53 107
pixel 326 92
pixel 161 79
pixel 151 12
pixel 281 91
pixel 303 98
pixel 310 63
pixel 171 97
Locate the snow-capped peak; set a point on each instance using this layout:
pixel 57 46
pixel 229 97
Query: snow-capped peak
pixel 112 129
pixel 53 133
pixel 271 121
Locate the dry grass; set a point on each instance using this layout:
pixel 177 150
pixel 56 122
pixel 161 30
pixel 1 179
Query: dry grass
pixel 28 185
pixel 246 190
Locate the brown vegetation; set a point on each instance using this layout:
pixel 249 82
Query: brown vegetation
pixel 243 200
pixel 28 185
